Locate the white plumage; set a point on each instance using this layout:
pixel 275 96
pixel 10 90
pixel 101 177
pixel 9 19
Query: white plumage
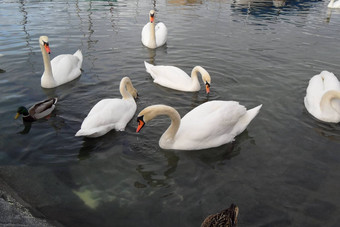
pixel 322 98
pixel 62 69
pixel 110 114
pixel 154 36
pixel 211 124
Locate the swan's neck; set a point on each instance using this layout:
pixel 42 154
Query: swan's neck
pixel 326 101
pixel 47 63
pixel 194 74
pixel 152 40
pixel 157 110
pixel 124 88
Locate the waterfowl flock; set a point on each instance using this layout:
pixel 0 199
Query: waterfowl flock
pixel 208 125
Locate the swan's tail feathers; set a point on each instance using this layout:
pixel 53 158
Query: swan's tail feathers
pixel 148 66
pixel 245 120
pixel 79 54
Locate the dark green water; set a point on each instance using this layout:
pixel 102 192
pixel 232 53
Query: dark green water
pixel 282 171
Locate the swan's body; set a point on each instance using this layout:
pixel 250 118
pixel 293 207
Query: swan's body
pixel 333 4
pixel 175 78
pixel 110 114
pixel 37 111
pixel 62 69
pixel 322 98
pixel 211 124
pixel 154 36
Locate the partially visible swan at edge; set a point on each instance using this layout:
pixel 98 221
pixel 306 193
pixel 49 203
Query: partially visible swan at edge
pixel 62 69
pixel 322 98
pixel 154 36
pixel 210 124
pixel 334 5
pixel 176 78
pixel 110 114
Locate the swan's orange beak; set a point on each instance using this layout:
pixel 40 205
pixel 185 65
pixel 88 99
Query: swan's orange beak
pixel 207 87
pixel 141 123
pixel 152 18
pixel 47 48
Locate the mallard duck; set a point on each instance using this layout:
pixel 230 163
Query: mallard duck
pixel 210 124
pixel 225 218
pixel 38 110
pixel 154 36
pixel 62 69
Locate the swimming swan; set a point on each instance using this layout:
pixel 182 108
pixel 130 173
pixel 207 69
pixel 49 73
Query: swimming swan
pixel 334 5
pixel 322 98
pixel 154 36
pixel 110 114
pixel 176 78
pixel 210 124
pixel 62 69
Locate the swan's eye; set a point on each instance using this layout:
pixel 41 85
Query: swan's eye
pixel 45 43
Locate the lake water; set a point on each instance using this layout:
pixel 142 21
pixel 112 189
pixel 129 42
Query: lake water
pixel 282 171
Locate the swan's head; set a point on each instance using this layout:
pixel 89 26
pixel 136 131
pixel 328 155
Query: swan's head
pixel 207 81
pixel 126 83
pixel 152 15
pixel 144 116
pixel 151 112
pixel 43 41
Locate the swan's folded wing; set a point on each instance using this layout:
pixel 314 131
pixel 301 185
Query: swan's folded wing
pixel 169 76
pixel 211 120
pixel 161 34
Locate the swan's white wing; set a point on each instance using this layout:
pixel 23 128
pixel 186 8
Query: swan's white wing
pixel 314 92
pixel 146 34
pixel 169 76
pixel 161 34
pixel 65 67
pixel 106 115
pixel 330 81
pixel 209 125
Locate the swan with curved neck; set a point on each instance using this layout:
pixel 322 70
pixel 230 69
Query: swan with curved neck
pixel 322 98
pixel 175 78
pixel 62 69
pixel 211 124
pixel 154 36
pixel 334 4
pixel 110 114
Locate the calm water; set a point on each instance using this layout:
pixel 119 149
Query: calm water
pixel 282 171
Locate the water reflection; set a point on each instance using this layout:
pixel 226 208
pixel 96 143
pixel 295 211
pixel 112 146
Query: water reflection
pixel 27 127
pixel 152 178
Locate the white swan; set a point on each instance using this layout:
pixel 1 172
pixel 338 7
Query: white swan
pixel 334 5
pixel 62 69
pixel 322 98
pixel 154 36
pixel 211 124
pixel 176 78
pixel 110 114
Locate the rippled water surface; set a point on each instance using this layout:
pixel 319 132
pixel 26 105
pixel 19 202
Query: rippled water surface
pixel 282 171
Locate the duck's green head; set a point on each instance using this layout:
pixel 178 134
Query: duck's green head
pixel 21 110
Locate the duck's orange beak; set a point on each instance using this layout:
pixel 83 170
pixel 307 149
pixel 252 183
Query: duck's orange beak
pixel 16 116
pixel 141 123
pixel 47 48
pixel 207 87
